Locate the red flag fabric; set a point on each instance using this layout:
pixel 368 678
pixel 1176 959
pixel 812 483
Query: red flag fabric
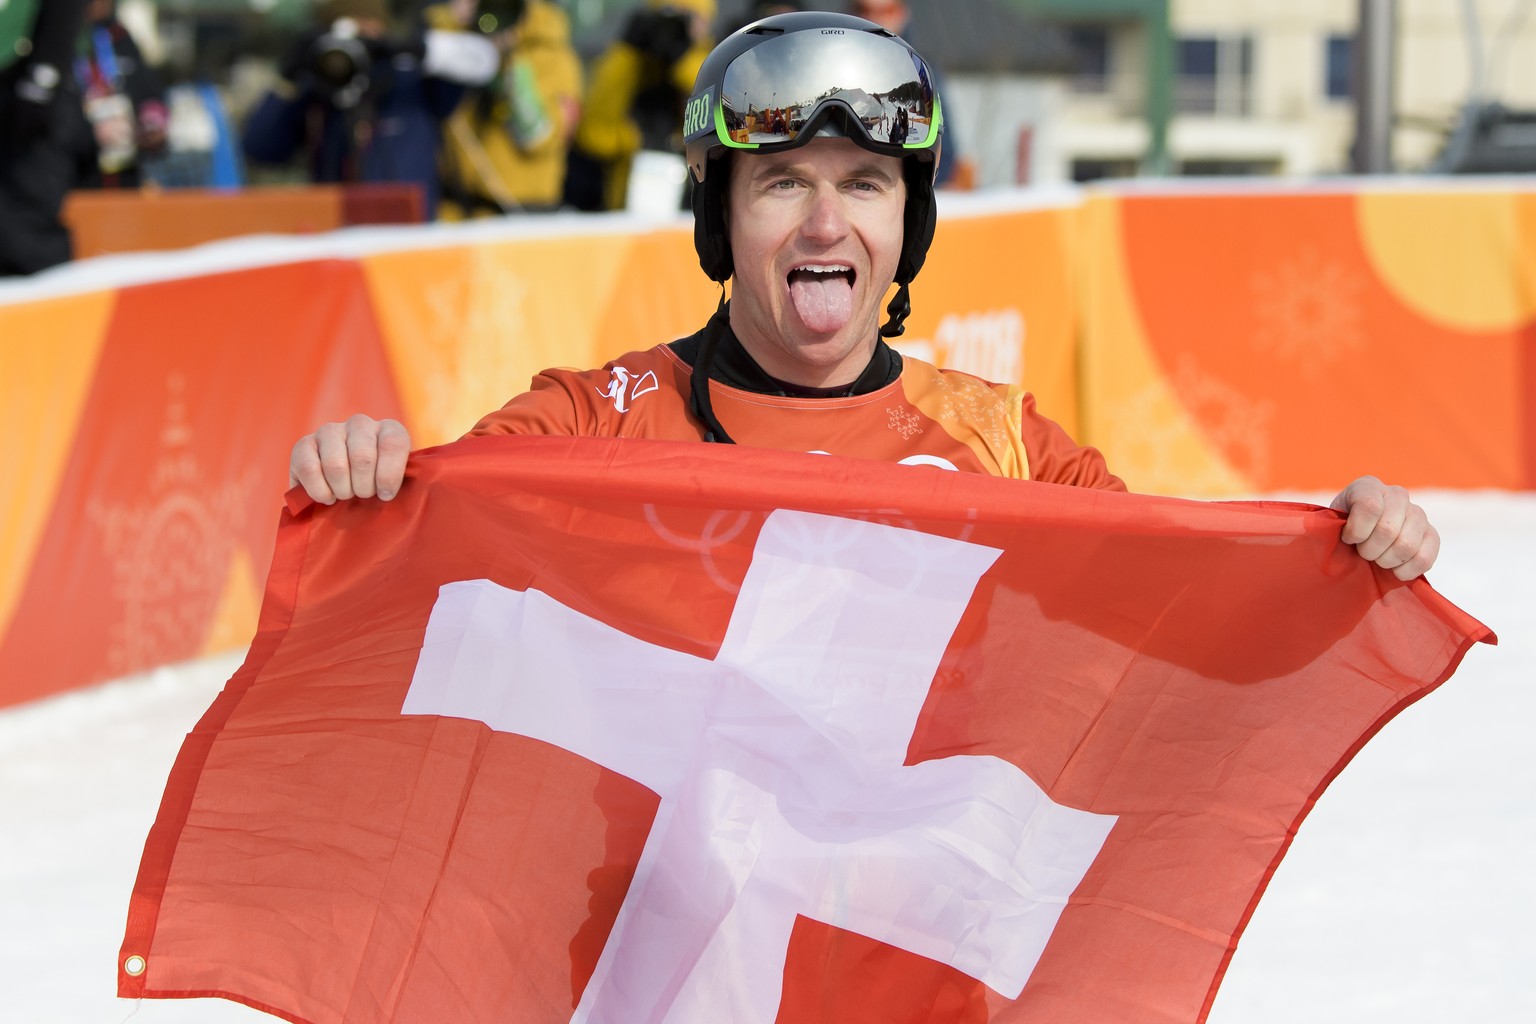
pixel 617 731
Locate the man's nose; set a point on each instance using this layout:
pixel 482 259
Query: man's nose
pixel 827 219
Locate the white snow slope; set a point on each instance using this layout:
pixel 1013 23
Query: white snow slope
pixel 1409 895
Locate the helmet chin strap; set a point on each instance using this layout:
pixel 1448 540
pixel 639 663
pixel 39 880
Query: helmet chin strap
pixel 899 309
pixel 698 383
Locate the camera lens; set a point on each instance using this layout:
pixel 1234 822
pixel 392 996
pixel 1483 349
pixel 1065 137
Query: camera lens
pixel 335 67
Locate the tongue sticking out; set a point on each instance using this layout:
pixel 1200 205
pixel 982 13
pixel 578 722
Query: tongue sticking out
pixel 824 301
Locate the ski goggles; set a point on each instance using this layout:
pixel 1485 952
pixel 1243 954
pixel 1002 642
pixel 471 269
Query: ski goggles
pixel 780 94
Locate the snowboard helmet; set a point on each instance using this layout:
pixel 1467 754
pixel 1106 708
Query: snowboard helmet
pixel 780 82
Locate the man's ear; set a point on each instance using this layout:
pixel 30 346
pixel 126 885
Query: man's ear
pixel 711 221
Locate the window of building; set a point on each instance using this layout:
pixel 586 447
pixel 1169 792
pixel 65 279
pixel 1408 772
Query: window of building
pixel 1229 168
pixel 1215 75
pixel 1090 49
pixel 1086 169
pixel 1338 82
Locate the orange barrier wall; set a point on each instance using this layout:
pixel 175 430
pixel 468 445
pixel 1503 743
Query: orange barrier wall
pixel 145 427
pixel 1257 341
pixel 1209 343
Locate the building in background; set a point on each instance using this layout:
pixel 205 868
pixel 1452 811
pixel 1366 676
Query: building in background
pixel 1266 86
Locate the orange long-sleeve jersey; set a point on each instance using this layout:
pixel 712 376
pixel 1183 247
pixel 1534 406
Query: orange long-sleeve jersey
pixel 926 416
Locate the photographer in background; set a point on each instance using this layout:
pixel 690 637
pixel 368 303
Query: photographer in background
pixel 506 145
pixel 45 142
pixel 635 100
pixel 364 105
pixel 124 99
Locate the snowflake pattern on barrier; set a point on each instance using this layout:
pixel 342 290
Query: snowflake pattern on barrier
pixel 1307 310
pixel 170 552
pixel 1151 440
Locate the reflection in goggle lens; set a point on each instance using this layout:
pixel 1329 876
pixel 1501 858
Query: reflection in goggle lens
pixel 775 90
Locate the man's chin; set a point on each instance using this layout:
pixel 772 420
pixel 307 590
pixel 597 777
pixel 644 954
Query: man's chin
pixel 824 347
pixel 818 354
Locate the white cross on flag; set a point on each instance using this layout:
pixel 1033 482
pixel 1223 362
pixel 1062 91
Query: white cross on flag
pixel 593 731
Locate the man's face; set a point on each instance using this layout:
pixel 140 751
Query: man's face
pixel 815 234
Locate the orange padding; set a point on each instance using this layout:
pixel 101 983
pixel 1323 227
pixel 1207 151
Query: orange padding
pixel 1212 344
pixel 110 221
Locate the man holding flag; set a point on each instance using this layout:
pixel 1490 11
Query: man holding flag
pixel 577 729
pixel 812 226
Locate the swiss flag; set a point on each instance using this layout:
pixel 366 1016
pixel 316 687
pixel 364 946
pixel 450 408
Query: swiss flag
pixel 620 731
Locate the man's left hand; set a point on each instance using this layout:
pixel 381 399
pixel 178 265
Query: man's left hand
pixel 1388 529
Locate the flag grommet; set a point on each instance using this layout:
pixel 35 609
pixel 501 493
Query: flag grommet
pixel 134 965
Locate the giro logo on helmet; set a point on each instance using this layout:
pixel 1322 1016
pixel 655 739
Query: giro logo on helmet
pixel 696 116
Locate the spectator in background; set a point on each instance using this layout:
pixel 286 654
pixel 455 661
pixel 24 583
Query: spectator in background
pixel 506 144
pixel 894 16
pixel 45 144
pixel 362 105
pixel 635 99
pixel 202 146
pixel 757 11
pixel 124 99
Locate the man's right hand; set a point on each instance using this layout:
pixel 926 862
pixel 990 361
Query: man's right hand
pixel 360 458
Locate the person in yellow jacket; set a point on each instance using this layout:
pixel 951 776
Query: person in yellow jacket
pixel 635 98
pixel 505 146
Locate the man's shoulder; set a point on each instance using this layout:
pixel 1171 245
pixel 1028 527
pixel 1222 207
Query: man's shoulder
pixel 617 387
pixel 628 395
pixel 919 371
pixel 962 391
pixel 654 359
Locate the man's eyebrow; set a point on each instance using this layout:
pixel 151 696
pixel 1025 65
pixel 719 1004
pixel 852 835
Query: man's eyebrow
pixel 877 169
pixel 874 168
pixel 766 166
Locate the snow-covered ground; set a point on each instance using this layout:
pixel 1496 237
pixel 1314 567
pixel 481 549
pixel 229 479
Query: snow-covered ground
pixel 1408 897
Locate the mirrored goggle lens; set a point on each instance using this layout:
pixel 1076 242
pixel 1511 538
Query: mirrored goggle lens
pixel 775 90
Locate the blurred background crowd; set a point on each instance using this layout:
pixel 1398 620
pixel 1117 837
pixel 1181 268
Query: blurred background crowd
pixel 508 107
